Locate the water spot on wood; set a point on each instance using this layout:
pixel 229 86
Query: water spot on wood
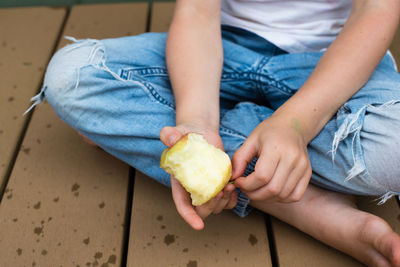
pixel 1 131
pixel 95 187
pixel 48 125
pixel 88 263
pixel 15 86
pixel 154 237
pixel 15 117
pixel 59 244
pixel 75 187
pixel 49 219
pixel 11 99
pixel 56 199
pixel 86 241
pixel 98 255
pixel 206 245
pixel 9 196
pixel 19 251
pixel 38 141
pixel 44 252
pixel 185 250
pixel 112 259
pixel 26 150
pixel 38 230
pixel 162 226
pixel 235 259
pixel 169 239
pixel 191 264
pixel 13 48
pixel 25 168
pixel 42 222
pixel 253 239
pixel 27 63
pixel 15 219
pixel 160 218
pixel 148 244
pixel 33 264
pixel 102 205
pixel 37 206
pixel 227 251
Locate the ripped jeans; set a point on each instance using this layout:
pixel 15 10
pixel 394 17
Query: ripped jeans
pixel 118 94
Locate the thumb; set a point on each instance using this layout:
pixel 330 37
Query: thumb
pixel 242 157
pixel 170 135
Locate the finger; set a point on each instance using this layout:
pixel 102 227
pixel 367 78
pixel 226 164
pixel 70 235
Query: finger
pixel 274 187
pixel 205 210
pixel 170 135
pixel 243 156
pixel 184 207
pixel 294 177
pixel 263 172
pixel 232 201
pixel 225 199
pixel 301 187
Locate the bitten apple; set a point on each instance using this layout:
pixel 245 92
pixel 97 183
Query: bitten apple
pixel 201 168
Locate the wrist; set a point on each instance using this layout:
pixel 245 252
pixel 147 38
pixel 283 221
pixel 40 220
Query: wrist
pixel 201 119
pixel 301 123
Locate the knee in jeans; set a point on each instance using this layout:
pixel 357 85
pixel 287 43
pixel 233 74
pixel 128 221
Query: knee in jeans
pixel 381 145
pixel 63 71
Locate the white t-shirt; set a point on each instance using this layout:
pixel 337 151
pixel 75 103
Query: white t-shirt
pixel 293 25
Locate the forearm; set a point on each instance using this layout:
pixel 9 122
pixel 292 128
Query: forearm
pixel 345 67
pixel 194 61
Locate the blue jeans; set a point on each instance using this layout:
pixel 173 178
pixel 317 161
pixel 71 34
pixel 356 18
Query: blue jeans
pixel 118 94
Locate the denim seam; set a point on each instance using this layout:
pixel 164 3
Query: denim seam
pixel 270 81
pixel 231 132
pixel 128 74
pixel 157 96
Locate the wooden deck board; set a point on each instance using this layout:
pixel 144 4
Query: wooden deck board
pixel 66 201
pixel 160 237
pixel 26 44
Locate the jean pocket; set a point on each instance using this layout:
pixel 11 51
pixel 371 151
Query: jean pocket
pixel 155 81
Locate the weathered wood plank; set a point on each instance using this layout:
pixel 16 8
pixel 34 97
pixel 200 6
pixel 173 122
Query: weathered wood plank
pixel 66 201
pixel 161 16
pixel 27 38
pixel 160 237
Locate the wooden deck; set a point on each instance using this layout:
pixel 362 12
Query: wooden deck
pixel 64 203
